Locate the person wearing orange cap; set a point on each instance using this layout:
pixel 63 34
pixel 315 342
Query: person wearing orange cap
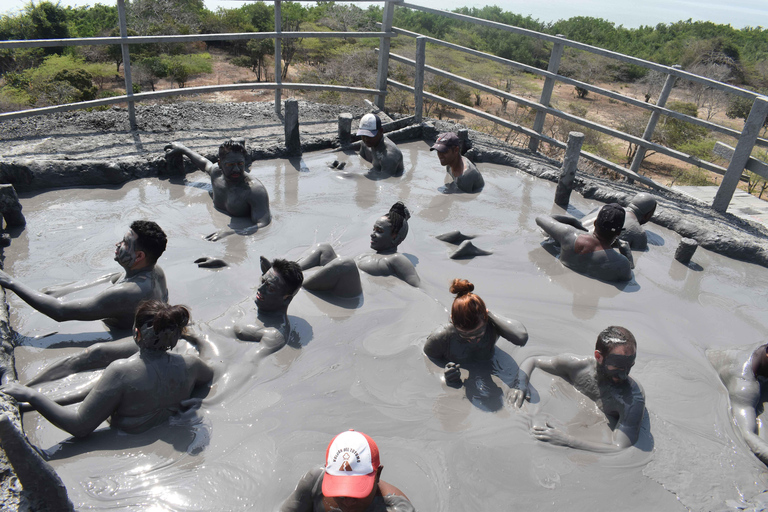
pixel 349 482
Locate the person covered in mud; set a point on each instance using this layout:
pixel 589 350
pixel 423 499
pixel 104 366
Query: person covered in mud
pixel 137 393
pixel 340 276
pixel 233 192
pixel 350 481
pixel 140 280
pixel 604 379
pixel 463 172
pixel 472 333
pixel 639 212
pixel 744 372
pixel 592 253
pixel 376 148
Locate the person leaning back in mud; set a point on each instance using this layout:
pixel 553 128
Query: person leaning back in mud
pixel 604 379
pixel 376 148
pixel 140 280
pixel 592 253
pixel 233 192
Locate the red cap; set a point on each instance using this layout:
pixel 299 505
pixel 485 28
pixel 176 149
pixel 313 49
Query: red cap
pixel 351 463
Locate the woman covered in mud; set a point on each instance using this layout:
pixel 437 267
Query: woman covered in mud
pixel 137 393
pixel 472 333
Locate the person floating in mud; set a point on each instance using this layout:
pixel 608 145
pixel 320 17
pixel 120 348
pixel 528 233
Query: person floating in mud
pixel 472 333
pixel 464 173
pixel 376 148
pixel 592 253
pixel 137 393
pixel 340 276
pixel 233 192
pixel 604 379
pixel 349 482
pixel 639 212
pixel 744 373
pixel 141 280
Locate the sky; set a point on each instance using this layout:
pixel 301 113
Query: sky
pixel 630 13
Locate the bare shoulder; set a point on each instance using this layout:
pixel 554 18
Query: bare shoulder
pixel 387 489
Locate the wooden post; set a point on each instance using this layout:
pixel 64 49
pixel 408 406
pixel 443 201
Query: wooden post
pixel 546 92
pixel 10 207
pixel 292 139
pixel 741 154
pixel 418 82
pixel 663 96
pixel 278 55
pixel 126 64
pixel 345 128
pixel 568 171
pixel 381 76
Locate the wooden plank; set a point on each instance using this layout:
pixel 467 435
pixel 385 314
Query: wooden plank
pixel 753 164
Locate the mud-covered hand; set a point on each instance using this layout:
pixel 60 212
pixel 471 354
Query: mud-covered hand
pixel 17 391
pixel 218 235
pixel 173 149
pixel 550 434
pixel 208 262
pixel 5 279
pixel 516 396
pixel 453 374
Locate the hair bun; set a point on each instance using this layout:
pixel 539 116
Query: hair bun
pixel 461 287
pixel 400 209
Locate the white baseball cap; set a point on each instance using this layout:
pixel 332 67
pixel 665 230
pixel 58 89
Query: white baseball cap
pixel 369 126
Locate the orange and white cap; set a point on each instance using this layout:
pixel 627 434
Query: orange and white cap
pixel 351 462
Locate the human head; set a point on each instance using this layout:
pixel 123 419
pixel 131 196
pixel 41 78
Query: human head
pixel 158 326
pixel 644 206
pixel 370 130
pixel 143 244
pixel 390 230
pixel 610 221
pixel 280 282
pixel 448 147
pixel 352 467
pixel 615 351
pixel 232 158
pixel 468 312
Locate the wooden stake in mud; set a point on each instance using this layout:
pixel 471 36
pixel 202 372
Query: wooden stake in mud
pixel 292 140
pixel 568 171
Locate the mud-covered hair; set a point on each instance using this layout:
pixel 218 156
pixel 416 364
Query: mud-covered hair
pixel 166 322
pixel 468 310
pixel 612 337
pixel 150 238
pixel 290 272
pixel 232 145
pixel 398 215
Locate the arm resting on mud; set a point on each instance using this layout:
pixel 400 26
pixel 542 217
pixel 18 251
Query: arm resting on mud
pixel 571 221
pixel 550 434
pixel 564 366
pixel 198 160
pixel 510 330
pixel 60 291
pixel 555 229
pixel 745 417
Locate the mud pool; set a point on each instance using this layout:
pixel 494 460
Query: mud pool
pixel 359 364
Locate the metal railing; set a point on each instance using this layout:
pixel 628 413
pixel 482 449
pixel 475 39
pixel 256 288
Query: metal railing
pixel 747 138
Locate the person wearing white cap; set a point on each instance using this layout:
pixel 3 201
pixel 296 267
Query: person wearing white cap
pixel 464 173
pixel 349 482
pixel 376 148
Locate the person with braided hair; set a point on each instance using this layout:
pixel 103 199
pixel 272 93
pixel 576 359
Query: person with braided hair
pixel 340 276
pixel 472 333
pixel 137 393
pixel 233 192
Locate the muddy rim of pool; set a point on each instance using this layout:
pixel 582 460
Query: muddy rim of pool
pixel 123 156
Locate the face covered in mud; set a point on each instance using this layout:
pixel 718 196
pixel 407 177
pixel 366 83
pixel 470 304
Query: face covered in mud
pixel 125 250
pixel 474 335
pixel 383 238
pixel 272 292
pixel 233 166
pixel 617 364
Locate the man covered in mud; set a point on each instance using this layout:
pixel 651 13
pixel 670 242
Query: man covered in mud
pixel 604 379
pixel 350 481
pixel 141 279
pixel 464 173
pixel 744 372
pixel 233 192
pixel 592 253
pixel 376 148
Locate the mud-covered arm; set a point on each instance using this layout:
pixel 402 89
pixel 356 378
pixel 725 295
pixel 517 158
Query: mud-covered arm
pixel 550 434
pixel 557 230
pixel 566 366
pixel 510 330
pixel 107 304
pixel 302 498
pixel 392 160
pixel 436 348
pixel 202 163
pixel 66 289
pixel 404 269
pixel 259 201
pixel 571 221
pixel 745 417
pixel 99 405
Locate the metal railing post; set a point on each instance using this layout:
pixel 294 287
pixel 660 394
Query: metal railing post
pixel 278 55
pixel 383 71
pixel 418 82
pixel 126 64
pixel 648 133
pixel 546 91
pixel 741 154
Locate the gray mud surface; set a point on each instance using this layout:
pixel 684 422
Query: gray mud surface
pixel 359 364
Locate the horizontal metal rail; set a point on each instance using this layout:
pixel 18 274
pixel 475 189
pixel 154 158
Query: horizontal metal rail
pixel 184 91
pixel 576 83
pixel 527 131
pixel 87 41
pixel 591 49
